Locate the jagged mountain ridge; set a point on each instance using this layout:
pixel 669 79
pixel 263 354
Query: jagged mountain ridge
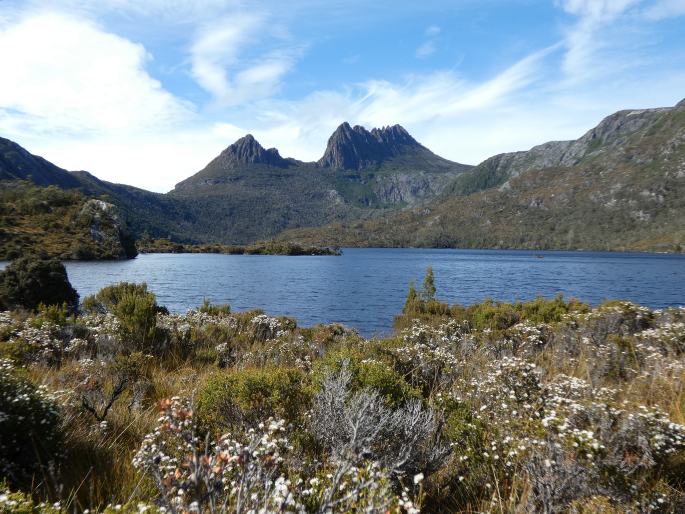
pixel 253 193
pixel 348 148
pixel 620 186
pixel 249 193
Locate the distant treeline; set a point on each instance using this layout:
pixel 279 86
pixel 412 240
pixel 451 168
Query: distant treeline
pixel 148 245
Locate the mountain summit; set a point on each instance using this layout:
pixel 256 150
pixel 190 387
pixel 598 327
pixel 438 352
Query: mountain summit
pixel 247 150
pixel 356 148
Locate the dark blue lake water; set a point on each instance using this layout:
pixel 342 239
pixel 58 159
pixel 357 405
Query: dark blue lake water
pixel 365 288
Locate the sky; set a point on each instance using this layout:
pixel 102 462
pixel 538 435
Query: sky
pixel 148 92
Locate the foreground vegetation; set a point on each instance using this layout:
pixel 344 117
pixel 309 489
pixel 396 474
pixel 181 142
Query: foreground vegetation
pixel 545 406
pixel 148 245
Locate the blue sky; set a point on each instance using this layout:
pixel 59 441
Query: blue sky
pixel 146 93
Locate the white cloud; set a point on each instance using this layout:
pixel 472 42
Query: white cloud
pixel 69 76
pixel 584 40
pixel 300 128
pixel 433 30
pixel 218 65
pixel 428 47
pixel 81 96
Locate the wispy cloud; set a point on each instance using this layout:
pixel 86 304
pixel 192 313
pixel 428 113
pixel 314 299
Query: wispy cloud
pixel 425 49
pixel 219 67
pixel 86 96
pixel 584 39
pixel 665 9
pixel 428 47
pixel 433 30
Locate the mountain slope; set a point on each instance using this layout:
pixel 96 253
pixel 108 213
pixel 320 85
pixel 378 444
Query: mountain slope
pixel 18 164
pixel 251 193
pixel 248 193
pixel 61 223
pixel 620 186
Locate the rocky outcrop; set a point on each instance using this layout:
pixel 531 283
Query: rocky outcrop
pixel 409 188
pixel 109 238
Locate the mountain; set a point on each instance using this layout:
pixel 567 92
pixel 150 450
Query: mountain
pixel 251 193
pixel 17 163
pixel 621 186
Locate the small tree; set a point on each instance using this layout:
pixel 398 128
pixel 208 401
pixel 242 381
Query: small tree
pixel 30 281
pixel 428 289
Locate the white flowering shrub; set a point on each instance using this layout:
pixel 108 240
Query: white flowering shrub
pixel 249 472
pixel 545 406
pixel 30 436
pixel 265 328
pixel 431 356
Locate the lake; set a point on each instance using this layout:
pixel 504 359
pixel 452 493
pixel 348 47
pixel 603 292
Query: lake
pixel 365 288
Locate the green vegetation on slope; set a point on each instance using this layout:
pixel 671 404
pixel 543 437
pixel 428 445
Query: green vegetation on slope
pixel 626 192
pixel 59 223
pixel 543 406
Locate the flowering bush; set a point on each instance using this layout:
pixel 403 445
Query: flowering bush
pixel 544 406
pixel 30 437
pixel 247 473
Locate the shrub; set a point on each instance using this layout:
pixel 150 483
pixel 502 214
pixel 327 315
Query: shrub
pixel 214 309
pixel 361 425
pixel 136 309
pixel 30 281
pixel 369 373
pixel 30 437
pixel 12 502
pixel 252 471
pixel 245 397
pixel 422 304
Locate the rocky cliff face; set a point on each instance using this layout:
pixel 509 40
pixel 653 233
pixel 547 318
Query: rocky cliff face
pixel 354 148
pixel 608 137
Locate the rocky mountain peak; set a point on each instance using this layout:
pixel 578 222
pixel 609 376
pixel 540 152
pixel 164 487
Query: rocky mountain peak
pixel 247 150
pixel 681 104
pixel 355 147
pixel 394 135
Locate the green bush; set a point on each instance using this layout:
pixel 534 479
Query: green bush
pixel 247 397
pixel 30 281
pixel 134 306
pixel 30 435
pixel 368 372
pixel 491 315
pixel 214 309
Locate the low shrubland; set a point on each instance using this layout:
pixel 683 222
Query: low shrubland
pixel 542 406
